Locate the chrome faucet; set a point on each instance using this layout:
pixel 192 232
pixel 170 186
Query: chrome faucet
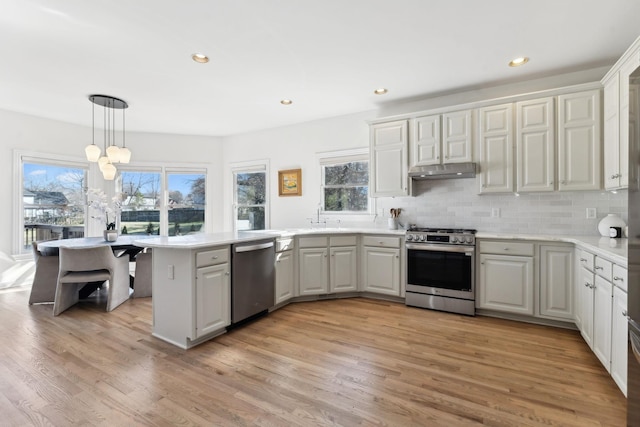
pixel 317 221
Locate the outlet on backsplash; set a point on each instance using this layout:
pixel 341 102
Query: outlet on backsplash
pixel 495 212
pixel 591 213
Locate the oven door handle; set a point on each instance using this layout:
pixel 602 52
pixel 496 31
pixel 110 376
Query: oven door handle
pixel 440 248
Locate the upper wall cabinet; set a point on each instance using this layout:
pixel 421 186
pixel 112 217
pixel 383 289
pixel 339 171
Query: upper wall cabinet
pixel 388 162
pixel 616 119
pixel 579 141
pixel 535 145
pixel 442 138
pixel 495 139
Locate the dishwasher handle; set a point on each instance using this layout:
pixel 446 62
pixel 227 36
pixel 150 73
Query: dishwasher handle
pixel 249 248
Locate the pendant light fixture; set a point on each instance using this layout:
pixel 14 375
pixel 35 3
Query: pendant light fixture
pixel 112 153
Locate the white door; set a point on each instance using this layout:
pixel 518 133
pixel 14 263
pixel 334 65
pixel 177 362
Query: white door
pixel 585 287
pixel 457 137
pixel 535 145
pixel 612 132
pixel 495 135
pixel 213 296
pixel 344 269
pixel 284 276
pixel 425 141
pixel 619 339
pixel 579 147
pixel 506 283
pixel 556 282
pixel 389 160
pixel 313 271
pixel 602 309
pixel 381 270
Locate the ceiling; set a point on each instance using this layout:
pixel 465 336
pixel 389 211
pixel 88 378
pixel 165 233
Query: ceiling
pixel 327 56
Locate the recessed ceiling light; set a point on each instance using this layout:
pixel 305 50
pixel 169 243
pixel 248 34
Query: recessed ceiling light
pixel 380 91
pixel 200 58
pixel 518 61
pixel 286 102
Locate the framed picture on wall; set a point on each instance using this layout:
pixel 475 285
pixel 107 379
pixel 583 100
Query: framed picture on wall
pixel 290 182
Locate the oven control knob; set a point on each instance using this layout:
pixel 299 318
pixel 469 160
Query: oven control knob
pixel 469 239
pixel 409 237
pixel 422 237
pixel 453 239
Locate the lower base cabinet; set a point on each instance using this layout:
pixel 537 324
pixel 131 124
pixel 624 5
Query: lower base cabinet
pixel 381 265
pixel 602 306
pixel 556 282
pixel 284 276
pixel 213 293
pixel 619 339
pixel 506 283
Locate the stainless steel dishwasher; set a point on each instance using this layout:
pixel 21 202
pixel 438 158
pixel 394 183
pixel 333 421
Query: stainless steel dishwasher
pixel 252 279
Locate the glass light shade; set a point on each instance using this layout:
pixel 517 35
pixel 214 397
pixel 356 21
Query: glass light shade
pixel 109 172
pixel 125 155
pixel 102 161
pixel 93 152
pixel 113 152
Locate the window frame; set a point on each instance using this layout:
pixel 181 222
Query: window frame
pixel 333 158
pixel 249 167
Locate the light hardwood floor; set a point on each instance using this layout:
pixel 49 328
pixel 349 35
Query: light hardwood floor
pixel 342 362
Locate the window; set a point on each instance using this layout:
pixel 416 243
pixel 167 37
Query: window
pixel 345 183
pixel 145 210
pixel 250 197
pixel 52 202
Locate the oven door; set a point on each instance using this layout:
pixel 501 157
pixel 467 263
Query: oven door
pixel 445 270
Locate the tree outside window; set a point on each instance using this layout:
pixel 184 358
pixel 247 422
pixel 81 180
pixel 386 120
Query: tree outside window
pixel 346 186
pixel 250 200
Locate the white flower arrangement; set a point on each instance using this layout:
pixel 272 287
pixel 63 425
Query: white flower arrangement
pixel 97 200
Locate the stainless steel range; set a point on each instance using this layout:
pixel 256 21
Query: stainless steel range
pixel 440 269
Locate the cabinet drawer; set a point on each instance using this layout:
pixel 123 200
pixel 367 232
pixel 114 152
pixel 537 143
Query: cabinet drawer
pixel 312 242
pixel 284 245
pixel 212 257
pixel 587 260
pixel 381 241
pixel 343 240
pixel 620 277
pixel 603 268
pixel 507 248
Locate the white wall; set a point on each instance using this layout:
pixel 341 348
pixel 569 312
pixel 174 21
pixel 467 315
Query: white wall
pixel 449 203
pixel 28 133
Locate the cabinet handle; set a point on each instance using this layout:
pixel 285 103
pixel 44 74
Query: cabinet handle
pixel 382 243
pixel 617 278
pixel 563 182
pixel 214 257
pixel 592 286
pixel 583 259
pixel 598 267
pixel 397 256
pixel 505 249
pixel 624 313
pixel 226 274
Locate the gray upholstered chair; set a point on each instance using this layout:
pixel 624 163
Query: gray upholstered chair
pixel 142 276
pixel 82 265
pixel 45 278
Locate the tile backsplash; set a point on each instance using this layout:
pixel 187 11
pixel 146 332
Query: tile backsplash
pixel 455 203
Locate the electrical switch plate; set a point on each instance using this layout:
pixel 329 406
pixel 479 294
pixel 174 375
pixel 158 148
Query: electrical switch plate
pixel 495 212
pixel 170 272
pixel 591 213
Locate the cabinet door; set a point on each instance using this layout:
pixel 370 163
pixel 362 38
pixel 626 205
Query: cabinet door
pixel 313 271
pixel 579 148
pixel 389 160
pixel 425 141
pixel 535 145
pixel 457 137
pixel 619 339
pixel 506 283
pixel 612 132
pixel 556 282
pixel 213 299
pixel 584 290
pixel 343 267
pixel 627 118
pixel 495 132
pixel 602 309
pixel 284 276
pixel 381 268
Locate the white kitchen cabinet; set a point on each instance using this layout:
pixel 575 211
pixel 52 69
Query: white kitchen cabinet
pixel 285 283
pixel 619 339
pixel 495 136
pixel 426 141
pixel 617 109
pixel 602 311
pixel 343 269
pixel 584 293
pixel 457 137
pixel 579 146
pixel 388 159
pixel 328 264
pixel 556 282
pixel 213 311
pixel 381 264
pixel 506 283
pixel 313 264
pixel 535 145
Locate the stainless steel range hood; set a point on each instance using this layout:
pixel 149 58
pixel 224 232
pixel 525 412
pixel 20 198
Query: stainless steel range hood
pixel 446 171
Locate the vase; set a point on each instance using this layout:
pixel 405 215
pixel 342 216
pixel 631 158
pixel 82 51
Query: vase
pixel 110 235
pixel 611 220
